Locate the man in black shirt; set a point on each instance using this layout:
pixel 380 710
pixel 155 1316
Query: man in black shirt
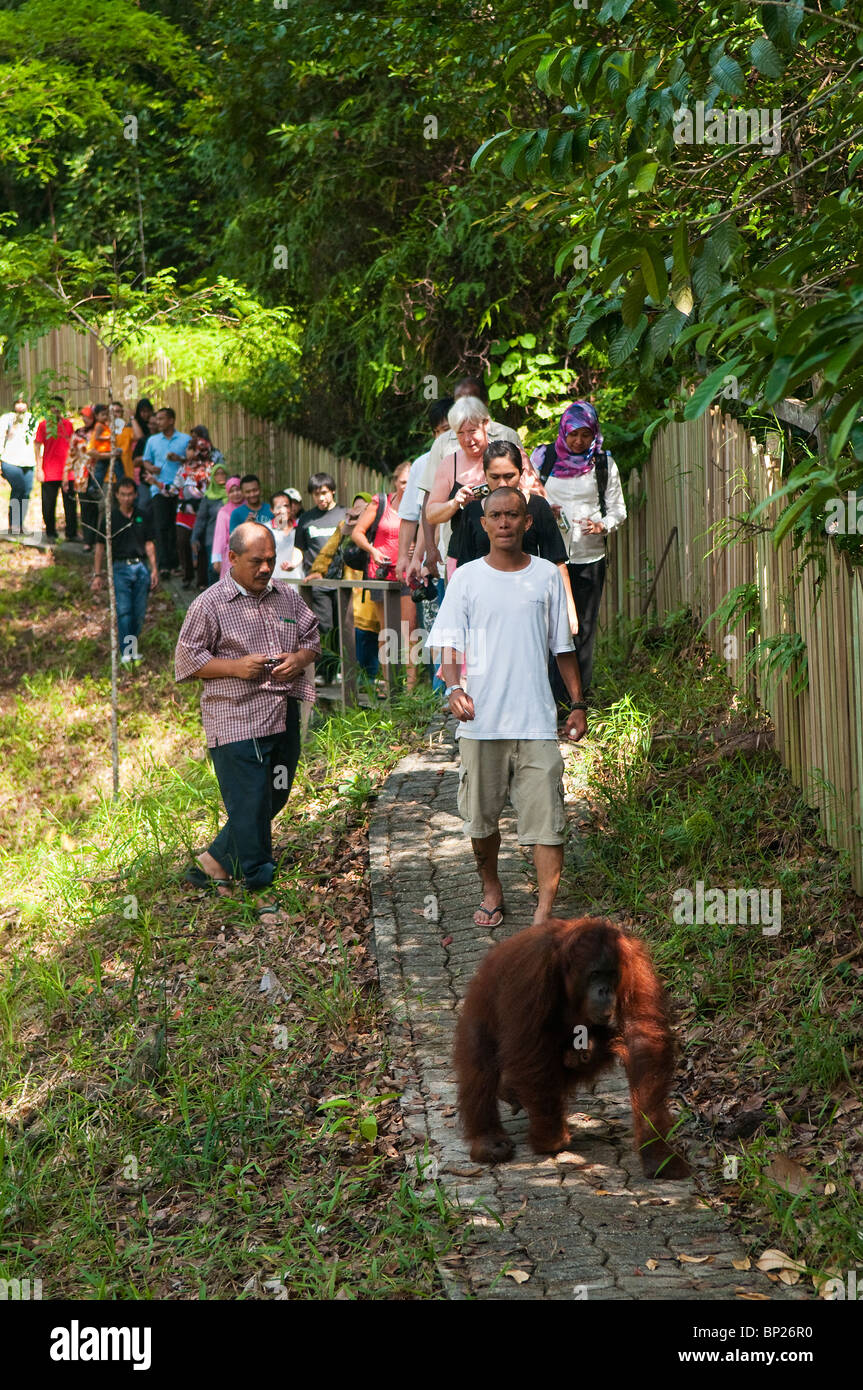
pixel 502 465
pixel 134 565
pixel 314 529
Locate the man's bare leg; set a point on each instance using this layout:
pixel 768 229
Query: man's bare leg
pixel 486 853
pixel 548 861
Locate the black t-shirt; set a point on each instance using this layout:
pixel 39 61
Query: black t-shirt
pixel 542 537
pixel 129 534
pixel 314 529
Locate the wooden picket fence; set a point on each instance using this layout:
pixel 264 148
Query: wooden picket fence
pixel 74 364
pixel 702 478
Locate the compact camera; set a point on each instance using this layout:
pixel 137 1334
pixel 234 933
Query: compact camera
pixel 481 490
pixel 426 592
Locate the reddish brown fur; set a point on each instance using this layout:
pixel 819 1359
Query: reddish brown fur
pixel 514 1039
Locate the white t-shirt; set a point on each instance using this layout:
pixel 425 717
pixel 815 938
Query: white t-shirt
pixel 284 551
pixel 17 433
pixel 412 503
pixel 506 623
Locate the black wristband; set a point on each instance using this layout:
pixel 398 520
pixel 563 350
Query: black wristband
pixel 578 704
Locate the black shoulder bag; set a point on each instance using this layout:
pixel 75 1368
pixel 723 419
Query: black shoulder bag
pixel 352 555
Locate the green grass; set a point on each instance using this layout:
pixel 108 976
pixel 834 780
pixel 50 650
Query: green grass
pixel 167 1130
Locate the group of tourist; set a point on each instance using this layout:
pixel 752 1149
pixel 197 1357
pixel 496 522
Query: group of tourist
pixel 507 552
pixel 511 552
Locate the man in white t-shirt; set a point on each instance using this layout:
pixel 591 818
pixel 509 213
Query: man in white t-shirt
pixel 499 619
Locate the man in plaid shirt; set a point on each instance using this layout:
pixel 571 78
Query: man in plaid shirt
pixel 249 641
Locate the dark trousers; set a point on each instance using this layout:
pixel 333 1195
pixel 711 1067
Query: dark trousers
pixel 49 510
pixel 255 777
pixel 184 551
pixel 89 520
pixel 20 481
pixel 323 604
pixel 164 525
pixel 367 651
pixel 587 583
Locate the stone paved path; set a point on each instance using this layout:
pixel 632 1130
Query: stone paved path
pixel 583 1224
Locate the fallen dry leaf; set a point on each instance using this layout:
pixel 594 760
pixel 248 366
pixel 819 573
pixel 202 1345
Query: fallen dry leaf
pixel 788 1175
pixel 651 1264
pixel 517 1275
pixel 789 1276
pixel 745 1263
pixel 694 1259
pixel 777 1259
pixel 752 1297
pixel 829 1189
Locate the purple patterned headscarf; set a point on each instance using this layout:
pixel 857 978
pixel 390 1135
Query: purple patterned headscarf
pixel 579 415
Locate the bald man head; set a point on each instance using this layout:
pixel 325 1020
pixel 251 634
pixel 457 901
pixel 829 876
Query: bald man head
pixel 252 555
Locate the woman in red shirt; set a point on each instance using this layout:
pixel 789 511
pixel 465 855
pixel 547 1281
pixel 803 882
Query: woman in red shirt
pixel 53 470
pixel 383 552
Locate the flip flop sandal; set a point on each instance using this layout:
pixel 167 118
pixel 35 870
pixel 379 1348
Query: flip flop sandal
pixel 493 916
pixel 196 876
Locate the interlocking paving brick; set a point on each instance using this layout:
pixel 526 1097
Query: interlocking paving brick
pixel 582 1224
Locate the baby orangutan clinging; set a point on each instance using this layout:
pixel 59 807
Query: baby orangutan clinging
pixel 547 1011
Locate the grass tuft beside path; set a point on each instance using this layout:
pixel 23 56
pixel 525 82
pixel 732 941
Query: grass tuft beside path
pixel 195 1102
pixel 770 1025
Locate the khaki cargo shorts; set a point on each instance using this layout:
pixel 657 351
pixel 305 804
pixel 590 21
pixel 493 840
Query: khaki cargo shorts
pixel 528 772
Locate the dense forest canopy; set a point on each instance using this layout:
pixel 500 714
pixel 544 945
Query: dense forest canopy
pixel 418 191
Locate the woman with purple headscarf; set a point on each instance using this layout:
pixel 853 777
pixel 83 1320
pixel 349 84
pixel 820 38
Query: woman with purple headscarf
pixel 568 468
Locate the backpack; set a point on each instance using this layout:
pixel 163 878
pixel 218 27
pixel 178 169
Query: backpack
pixel 355 558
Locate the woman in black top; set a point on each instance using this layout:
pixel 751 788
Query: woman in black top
pixel 502 465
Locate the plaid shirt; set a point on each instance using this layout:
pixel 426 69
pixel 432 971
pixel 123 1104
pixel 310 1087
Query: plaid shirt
pixel 227 623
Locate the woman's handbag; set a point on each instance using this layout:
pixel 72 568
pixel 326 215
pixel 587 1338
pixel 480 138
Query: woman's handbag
pixel 336 568
pixel 354 557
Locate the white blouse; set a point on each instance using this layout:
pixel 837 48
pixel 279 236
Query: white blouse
pixel 578 499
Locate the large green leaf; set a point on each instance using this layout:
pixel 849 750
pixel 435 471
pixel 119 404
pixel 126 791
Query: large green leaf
pixel 680 251
pixel 777 380
pixel 710 386
pixel 665 331
pixel 843 417
pixel 515 153
pixel 728 74
pixel 633 300
pixel 653 270
pixel 625 341
pixel 646 176
pixel 766 57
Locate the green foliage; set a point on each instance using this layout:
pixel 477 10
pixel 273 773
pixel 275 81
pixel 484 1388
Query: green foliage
pixel 754 245
pixel 406 189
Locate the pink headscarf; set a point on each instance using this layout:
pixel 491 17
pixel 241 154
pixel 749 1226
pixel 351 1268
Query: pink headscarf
pixel 580 414
pixel 222 531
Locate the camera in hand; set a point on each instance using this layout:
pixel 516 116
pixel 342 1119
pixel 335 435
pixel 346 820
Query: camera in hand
pixel 425 591
pixel 481 490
